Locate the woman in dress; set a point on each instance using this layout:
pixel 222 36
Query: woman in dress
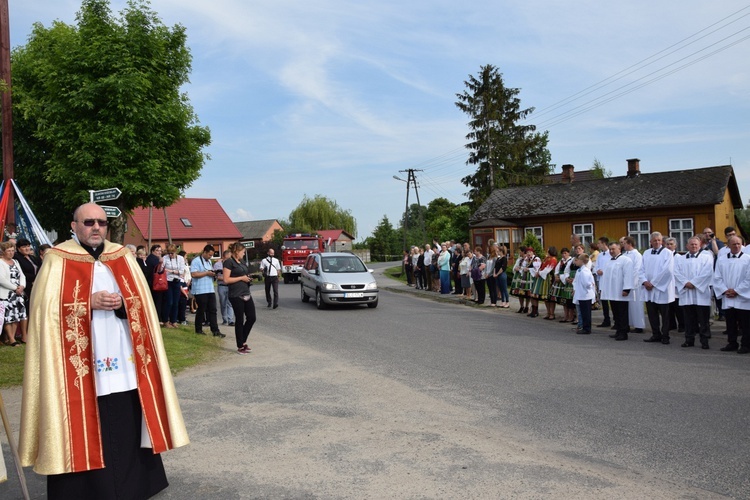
pixel 517 287
pixel 558 284
pixel 463 270
pixel 541 280
pixel 12 285
pixel 30 265
pixel 444 264
pixel 237 277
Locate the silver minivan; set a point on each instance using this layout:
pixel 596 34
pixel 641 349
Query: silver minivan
pixel 336 278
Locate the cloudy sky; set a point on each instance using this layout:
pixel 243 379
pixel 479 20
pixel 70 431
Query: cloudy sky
pixel 334 98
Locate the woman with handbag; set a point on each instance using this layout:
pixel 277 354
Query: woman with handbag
pixel 157 281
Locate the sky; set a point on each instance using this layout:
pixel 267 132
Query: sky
pixel 335 98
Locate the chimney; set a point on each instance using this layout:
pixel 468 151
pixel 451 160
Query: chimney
pixel 567 174
pixel 634 167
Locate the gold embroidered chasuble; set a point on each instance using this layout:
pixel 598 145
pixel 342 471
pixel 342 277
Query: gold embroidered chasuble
pixel 60 429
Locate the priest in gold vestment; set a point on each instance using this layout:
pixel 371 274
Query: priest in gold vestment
pixel 99 404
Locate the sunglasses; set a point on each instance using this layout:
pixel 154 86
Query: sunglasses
pixel 91 222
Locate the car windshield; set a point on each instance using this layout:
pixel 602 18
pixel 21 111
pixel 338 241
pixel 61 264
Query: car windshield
pixel 301 244
pixel 343 265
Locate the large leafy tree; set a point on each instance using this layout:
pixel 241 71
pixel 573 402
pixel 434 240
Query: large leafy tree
pixel 385 242
pixel 319 212
pixel 98 105
pixel 505 151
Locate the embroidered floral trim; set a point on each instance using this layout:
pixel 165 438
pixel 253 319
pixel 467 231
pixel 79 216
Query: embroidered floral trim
pixel 75 334
pixel 106 365
pixel 135 310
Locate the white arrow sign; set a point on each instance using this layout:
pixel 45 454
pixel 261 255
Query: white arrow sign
pixel 109 194
pixel 112 212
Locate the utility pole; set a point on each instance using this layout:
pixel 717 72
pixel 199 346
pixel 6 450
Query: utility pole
pixel 411 178
pixel 5 103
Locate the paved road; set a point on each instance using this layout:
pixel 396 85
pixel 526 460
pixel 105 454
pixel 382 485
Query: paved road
pixel 427 399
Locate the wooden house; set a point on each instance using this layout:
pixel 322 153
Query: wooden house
pixel 676 203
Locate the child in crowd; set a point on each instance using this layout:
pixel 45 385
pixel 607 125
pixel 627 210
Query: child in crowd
pixel 584 292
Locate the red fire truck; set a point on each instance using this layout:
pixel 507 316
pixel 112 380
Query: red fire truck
pixel 294 252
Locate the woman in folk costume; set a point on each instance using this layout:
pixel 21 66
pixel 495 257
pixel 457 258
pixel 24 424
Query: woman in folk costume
pixel 524 279
pixel 567 278
pixel 542 280
pixel 519 264
pixel 99 404
pixel 558 284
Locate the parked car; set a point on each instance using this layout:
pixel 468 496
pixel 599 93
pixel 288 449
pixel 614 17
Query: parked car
pixel 336 278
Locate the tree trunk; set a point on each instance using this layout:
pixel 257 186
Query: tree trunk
pixel 117 228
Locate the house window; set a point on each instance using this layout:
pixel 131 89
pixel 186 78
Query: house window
pixel 586 232
pixel 502 237
pixel 538 232
pixel 640 231
pixel 681 230
pixel 186 222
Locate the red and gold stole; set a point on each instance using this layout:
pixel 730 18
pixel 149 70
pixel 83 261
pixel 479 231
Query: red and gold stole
pixel 80 385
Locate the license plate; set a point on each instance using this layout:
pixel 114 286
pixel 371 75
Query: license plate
pixel 354 295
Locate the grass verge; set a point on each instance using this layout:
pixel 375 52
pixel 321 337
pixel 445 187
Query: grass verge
pixel 184 349
pixel 396 273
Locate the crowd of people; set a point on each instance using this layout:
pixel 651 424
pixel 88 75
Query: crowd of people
pixel 660 286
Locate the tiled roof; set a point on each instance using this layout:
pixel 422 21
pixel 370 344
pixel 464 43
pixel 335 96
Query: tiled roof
pixel 254 229
pixel 333 234
pixel 701 186
pixel 208 221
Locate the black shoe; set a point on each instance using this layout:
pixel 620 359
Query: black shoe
pixel 219 334
pixel 621 337
pixel 665 340
pixel 730 347
pixel 200 333
pixel 704 345
pixel 269 305
pixel 275 306
pixel 231 323
pixel 681 330
pixel 687 344
pixel 613 327
pixel 583 332
pixel 637 330
pixel 743 350
pixel 605 324
pixel 614 335
pixel 519 311
pixel 721 318
pixel 653 339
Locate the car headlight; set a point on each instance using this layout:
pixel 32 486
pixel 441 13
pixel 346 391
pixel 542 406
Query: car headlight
pixel 371 286
pixel 330 286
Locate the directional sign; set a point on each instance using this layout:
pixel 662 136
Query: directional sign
pixel 105 194
pixel 112 212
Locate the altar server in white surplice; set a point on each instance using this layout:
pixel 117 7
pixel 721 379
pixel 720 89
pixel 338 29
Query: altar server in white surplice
pixel 617 287
pixel 656 282
pixel 732 285
pixel 693 273
pixel 636 312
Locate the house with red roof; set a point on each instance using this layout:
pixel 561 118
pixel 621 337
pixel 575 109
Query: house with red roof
pixel 336 240
pixel 191 223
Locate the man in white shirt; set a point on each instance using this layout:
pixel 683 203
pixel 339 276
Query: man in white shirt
pixel 271 269
pixel 428 267
pixel 657 285
pixel 732 285
pixel 693 273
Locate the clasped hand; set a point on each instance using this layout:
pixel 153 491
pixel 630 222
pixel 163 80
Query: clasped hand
pixel 105 301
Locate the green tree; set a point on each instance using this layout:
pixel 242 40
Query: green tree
pixel 385 242
pixel 98 105
pixel 530 240
pixel 504 151
pixel 599 170
pixel 742 216
pixel 313 214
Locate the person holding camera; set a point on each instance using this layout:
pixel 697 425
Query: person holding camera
pixel 271 269
pixel 201 270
